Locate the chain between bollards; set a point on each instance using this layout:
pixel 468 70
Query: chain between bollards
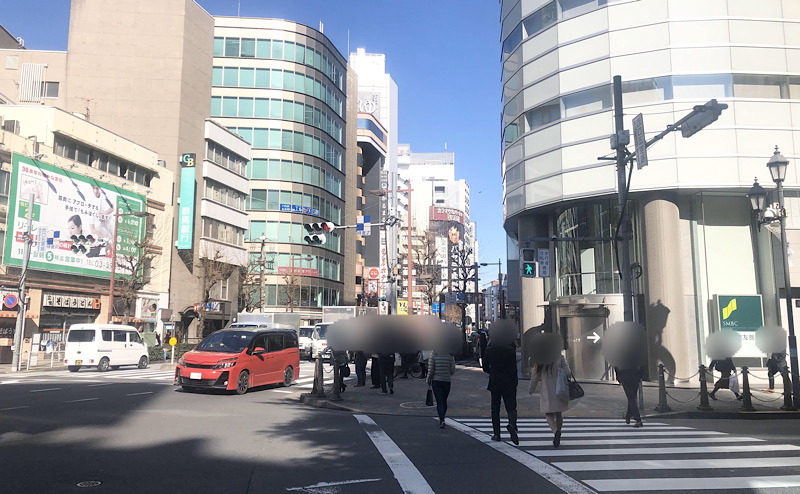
pixel 747 403
pixel 788 403
pixel 662 406
pixel 704 406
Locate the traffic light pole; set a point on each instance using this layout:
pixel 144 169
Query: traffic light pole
pixel 622 139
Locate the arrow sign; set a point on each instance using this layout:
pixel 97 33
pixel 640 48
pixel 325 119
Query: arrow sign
pixel 594 336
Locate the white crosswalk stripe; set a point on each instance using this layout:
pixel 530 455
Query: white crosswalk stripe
pixel 607 455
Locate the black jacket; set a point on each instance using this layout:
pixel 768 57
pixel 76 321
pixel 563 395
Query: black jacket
pixel 500 362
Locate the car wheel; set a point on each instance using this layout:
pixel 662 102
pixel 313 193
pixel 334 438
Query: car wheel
pixel 103 366
pixel 288 376
pixel 243 383
pixel 415 370
pixel 74 368
pixel 143 362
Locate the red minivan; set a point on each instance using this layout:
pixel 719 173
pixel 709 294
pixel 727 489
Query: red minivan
pixel 240 357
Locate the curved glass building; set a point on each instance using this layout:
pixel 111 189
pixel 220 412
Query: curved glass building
pixel 695 240
pixel 282 87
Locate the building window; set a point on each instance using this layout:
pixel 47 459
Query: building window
pixel 49 89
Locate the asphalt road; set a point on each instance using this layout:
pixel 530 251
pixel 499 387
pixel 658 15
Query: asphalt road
pixel 135 435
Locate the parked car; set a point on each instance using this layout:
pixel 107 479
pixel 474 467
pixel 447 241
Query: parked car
pixel 239 358
pixel 105 346
pixel 305 341
pixel 318 341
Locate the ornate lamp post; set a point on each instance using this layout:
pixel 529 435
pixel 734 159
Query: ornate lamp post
pixel 777 165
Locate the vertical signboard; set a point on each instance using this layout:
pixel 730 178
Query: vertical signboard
pixel 186 216
pixel 743 314
pixel 544 263
pixel 73 219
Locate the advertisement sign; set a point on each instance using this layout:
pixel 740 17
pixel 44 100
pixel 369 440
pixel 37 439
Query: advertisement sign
pixel 298 271
pixel 446 214
pixel 402 307
pixel 299 209
pixel 373 273
pixel 743 314
pixel 186 213
pixel 73 220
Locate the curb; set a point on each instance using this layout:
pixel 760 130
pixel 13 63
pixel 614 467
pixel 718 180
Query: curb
pixel 324 402
pixel 765 415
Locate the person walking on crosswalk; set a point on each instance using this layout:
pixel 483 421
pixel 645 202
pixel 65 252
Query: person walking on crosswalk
pixel 630 378
pixel 500 362
pixel 550 404
pixel 441 366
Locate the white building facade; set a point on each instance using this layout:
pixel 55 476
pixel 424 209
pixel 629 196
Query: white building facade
pixel 695 240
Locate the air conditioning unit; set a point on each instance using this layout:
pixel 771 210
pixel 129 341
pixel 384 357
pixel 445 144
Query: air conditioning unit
pixel 11 126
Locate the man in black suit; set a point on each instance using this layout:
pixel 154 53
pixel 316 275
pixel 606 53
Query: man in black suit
pixel 500 362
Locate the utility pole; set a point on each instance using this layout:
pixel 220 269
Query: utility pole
pixel 476 301
pixel 500 288
pixel 16 359
pixel 619 140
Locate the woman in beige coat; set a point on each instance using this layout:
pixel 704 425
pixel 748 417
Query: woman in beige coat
pixel 551 405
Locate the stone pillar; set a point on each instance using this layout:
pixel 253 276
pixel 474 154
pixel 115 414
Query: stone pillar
pixel 532 290
pixel 668 342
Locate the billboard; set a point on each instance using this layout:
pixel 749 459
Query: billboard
pixel 186 212
pixel 72 219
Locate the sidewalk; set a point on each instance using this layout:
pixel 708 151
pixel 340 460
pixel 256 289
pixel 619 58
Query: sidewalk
pixel 469 398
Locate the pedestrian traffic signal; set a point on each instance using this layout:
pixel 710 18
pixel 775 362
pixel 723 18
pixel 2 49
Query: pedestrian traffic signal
pixel 527 263
pixel 316 235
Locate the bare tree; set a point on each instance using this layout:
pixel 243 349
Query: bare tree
pixel 465 271
pixel 426 263
pixel 135 269
pixel 249 298
pixel 214 268
pixel 291 291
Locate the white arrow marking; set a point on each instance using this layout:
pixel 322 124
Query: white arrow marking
pixel 594 336
pixel 323 486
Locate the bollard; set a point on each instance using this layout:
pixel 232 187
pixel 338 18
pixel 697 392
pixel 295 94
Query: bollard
pixel 747 402
pixel 788 403
pixel 337 381
pixel 704 406
pixel 318 389
pixel 662 406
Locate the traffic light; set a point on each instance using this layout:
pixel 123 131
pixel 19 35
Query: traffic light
pixel 527 263
pixel 701 117
pixel 316 235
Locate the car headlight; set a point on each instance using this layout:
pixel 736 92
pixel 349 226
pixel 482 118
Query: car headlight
pixel 224 364
pixel 181 362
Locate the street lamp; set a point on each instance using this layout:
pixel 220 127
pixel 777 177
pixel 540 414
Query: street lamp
pixel 502 301
pixel 111 287
pixel 291 274
pixel 777 165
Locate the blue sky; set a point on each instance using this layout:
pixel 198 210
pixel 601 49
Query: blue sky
pixel 443 54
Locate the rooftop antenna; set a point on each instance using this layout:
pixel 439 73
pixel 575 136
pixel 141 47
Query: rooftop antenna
pixel 238 7
pixel 321 27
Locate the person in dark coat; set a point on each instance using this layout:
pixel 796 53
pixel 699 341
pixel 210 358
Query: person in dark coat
pixel 725 368
pixel 387 372
pixel 775 365
pixel 630 379
pixel 483 342
pixel 500 362
pixel 375 371
pixel 361 369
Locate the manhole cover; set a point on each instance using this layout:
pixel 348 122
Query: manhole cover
pixel 413 404
pixel 89 483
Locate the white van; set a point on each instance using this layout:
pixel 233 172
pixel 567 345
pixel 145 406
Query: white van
pixel 105 346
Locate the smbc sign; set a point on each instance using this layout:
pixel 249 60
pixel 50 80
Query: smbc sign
pixel 739 312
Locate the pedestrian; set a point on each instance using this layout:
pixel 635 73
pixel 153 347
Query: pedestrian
pixel 441 366
pixel 387 372
pixel 483 341
pixel 550 404
pixel 630 380
pixel 500 362
pixel 775 365
pixel 375 371
pixel 361 369
pixel 725 368
pixel 406 359
pixel 158 340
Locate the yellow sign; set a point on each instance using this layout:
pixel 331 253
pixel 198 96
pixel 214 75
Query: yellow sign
pixel 402 307
pixel 173 341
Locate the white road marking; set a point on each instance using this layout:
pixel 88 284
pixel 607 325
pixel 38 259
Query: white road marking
pixel 719 484
pixel 282 391
pixel 567 420
pixel 324 485
pixel 40 390
pixel 546 471
pixel 10 381
pixel 13 408
pixel 99 384
pixel 142 393
pixel 567 434
pixel 84 399
pixel 644 440
pixel 523 429
pixel 407 475
pixel 660 464
pixel 665 451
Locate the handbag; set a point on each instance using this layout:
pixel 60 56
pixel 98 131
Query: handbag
pixel 733 383
pixel 562 385
pixel 345 370
pixel 429 397
pixel 575 389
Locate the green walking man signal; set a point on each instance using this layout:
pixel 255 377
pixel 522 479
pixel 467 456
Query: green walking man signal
pixel 527 263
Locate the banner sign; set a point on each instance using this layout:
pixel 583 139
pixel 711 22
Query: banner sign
pixel 288 208
pixel 740 312
pixel 72 220
pixel 446 214
pixel 186 215
pixel 363 226
pixel 298 271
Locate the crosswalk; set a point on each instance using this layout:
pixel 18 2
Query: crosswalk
pixel 606 455
pixel 304 383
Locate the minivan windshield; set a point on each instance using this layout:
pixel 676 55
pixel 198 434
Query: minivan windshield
pixel 81 335
pixel 306 332
pixel 321 330
pixel 226 342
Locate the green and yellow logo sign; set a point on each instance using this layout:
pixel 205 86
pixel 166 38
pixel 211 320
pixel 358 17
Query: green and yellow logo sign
pixel 740 312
